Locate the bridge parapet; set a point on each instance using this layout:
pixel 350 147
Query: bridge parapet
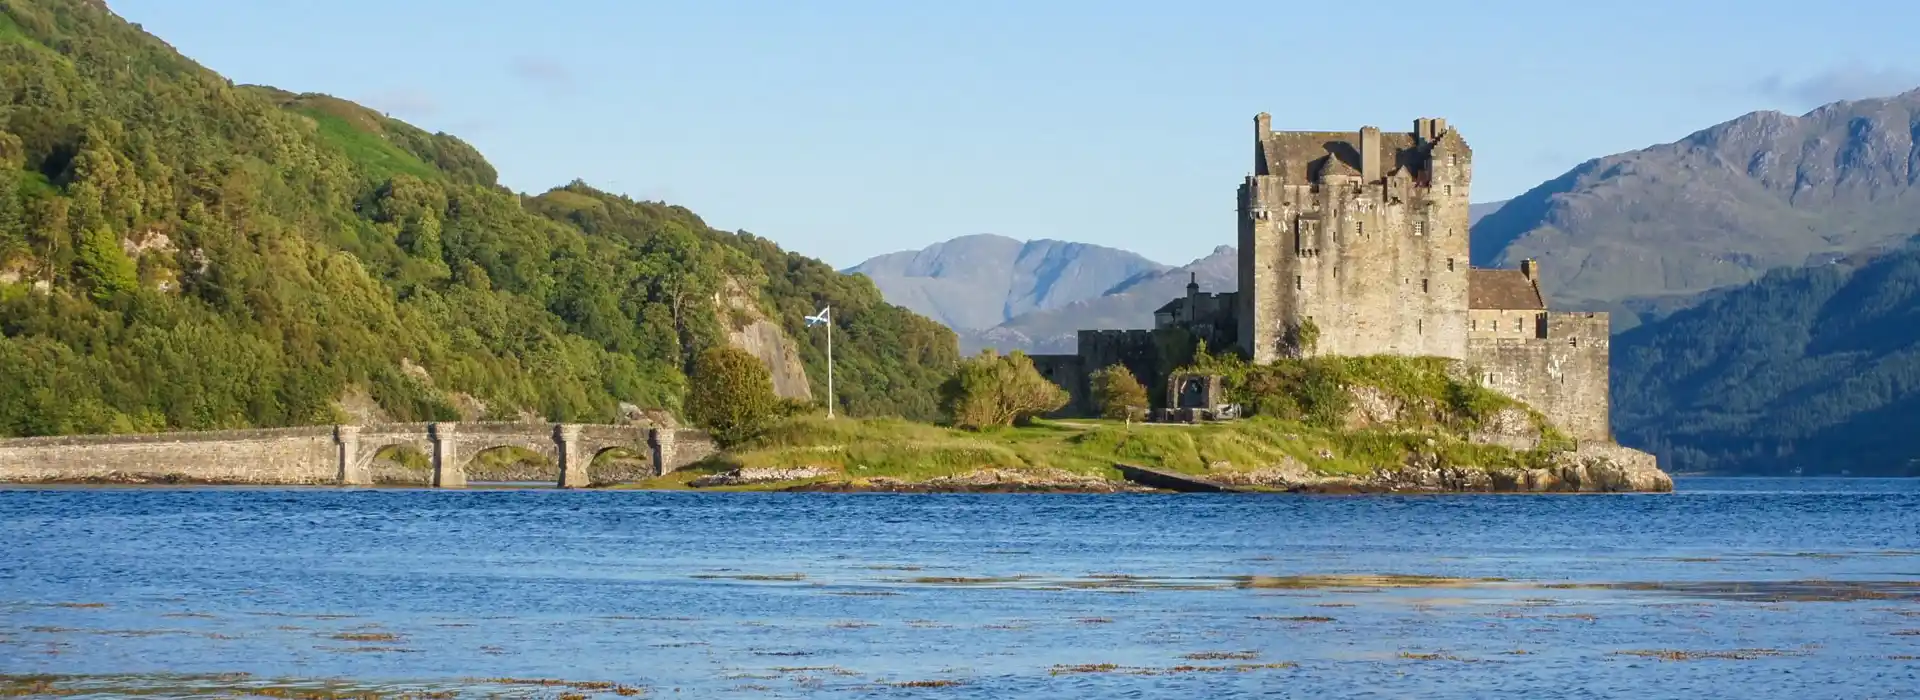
pixel 341 454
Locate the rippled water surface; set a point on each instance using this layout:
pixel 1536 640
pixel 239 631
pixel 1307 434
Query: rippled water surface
pixel 1729 588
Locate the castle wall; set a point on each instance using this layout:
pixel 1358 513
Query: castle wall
pixel 1378 265
pixel 1134 349
pixel 1068 373
pixel 1564 375
pixel 1506 323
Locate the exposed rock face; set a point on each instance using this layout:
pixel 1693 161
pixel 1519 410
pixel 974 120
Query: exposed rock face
pixel 760 475
pixel 765 340
pixel 1371 407
pixel 1591 469
pixel 987 481
pixel 1511 428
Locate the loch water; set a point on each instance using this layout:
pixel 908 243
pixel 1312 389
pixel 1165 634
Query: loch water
pixel 1735 588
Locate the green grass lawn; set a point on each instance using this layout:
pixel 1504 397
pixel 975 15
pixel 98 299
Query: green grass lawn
pixel 914 452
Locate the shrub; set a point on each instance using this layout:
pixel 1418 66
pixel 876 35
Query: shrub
pixel 992 390
pixel 1118 394
pixel 731 395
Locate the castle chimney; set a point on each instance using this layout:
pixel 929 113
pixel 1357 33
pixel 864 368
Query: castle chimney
pixel 1193 296
pixel 1439 128
pixel 1422 130
pixel 1262 128
pixel 1530 270
pixel 1369 153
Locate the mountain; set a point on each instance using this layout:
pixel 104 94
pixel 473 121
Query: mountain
pixel 178 252
pixel 1719 207
pixel 1128 305
pixel 976 282
pixel 1811 368
pixel 1476 212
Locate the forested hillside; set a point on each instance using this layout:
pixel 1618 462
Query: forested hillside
pixel 177 252
pixel 1811 368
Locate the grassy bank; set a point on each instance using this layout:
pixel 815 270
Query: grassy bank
pixel 857 453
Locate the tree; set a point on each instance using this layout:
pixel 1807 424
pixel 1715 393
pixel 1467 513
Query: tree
pixel 992 390
pixel 731 394
pixel 1118 394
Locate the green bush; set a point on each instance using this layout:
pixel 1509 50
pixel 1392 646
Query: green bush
pixel 731 395
pixel 1118 394
pixel 992 390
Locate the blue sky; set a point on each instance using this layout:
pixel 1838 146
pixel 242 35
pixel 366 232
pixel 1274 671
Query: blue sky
pixel 845 129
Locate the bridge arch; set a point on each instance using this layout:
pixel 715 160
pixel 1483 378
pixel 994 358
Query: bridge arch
pixel 453 447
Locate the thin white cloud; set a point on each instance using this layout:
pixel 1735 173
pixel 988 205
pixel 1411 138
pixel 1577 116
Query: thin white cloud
pixel 543 72
pixel 1847 82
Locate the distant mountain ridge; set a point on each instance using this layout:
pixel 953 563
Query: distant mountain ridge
pixel 1720 206
pixel 1129 305
pixel 980 281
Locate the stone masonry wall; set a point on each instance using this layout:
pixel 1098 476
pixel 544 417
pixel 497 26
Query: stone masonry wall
pixel 1564 375
pixel 1376 259
pixel 1067 372
pixel 674 449
pixel 270 456
pixel 1134 349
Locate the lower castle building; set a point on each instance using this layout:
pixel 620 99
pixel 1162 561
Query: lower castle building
pixel 1356 243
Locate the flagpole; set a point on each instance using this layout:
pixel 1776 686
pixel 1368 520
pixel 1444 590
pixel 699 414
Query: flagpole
pixel 830 401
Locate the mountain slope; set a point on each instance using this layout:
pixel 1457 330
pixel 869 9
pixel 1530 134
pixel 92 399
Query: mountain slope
pixel 1129 305
pixel 980 281
pixel 1720 206
pixel 1476 212
pixel 177 252
pixel 1814 368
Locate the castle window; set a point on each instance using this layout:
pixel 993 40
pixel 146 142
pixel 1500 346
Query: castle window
pixel 1518 325
pixel 1573 342
pixel 1299 282
pixel 1419 227
pixel 1474 324
pixel 1453 160
pixel 1360 228
pixel 1449 190
pixel 1423 286
pixel 1449 264
pixel 1419 326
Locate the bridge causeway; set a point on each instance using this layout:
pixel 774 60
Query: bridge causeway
pixel 340 454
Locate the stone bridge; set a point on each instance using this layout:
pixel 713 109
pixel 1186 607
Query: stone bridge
pixel 341 454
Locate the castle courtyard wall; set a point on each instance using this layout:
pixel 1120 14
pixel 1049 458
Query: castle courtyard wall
pixel 1564 375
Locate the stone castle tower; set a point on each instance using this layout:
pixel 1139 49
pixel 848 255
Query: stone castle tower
pixel 1362 236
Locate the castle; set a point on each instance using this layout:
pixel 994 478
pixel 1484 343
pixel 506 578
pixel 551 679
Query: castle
pixel 1357 244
